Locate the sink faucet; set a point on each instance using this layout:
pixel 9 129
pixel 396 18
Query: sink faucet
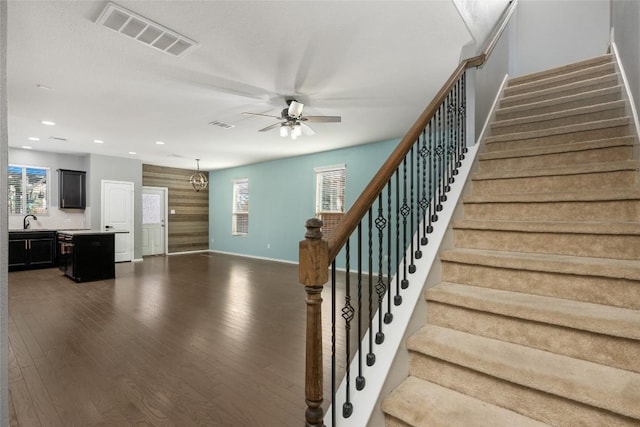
pixel 25 221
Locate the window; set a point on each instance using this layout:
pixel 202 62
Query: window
pixel 28 190
pixel 330 183
pixel 240 226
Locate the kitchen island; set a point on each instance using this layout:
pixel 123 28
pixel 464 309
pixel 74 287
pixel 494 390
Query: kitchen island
pixel 86 255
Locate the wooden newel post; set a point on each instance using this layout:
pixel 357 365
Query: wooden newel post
pixel 313 274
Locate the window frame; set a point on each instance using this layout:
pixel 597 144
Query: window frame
pixel 235 213
pixel 321 174
pixel 24 184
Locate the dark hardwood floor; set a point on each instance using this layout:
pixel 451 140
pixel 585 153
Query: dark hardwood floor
pixel 201 339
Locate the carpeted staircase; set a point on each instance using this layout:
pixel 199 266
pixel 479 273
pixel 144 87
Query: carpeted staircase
pixel 537 319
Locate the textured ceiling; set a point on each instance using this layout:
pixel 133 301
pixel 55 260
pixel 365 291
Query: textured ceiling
pixel 375 63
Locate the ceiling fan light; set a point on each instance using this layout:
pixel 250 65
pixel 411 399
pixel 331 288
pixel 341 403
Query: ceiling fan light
pixel 284 131
pixel 296 130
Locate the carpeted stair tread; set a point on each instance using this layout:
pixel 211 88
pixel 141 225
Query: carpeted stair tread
pixel 558 149
pixel 580 196
pixel 612 389
pixel 562 264
pixel 560 130
pixel 557 79
pixel 591 97
pixel 585 227
pixel 540 118
pixel 563 69
pixel 567 89
pixel 597 318
pixel 420 403
pixel 625 165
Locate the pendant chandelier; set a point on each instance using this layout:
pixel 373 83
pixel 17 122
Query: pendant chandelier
pixel 198 180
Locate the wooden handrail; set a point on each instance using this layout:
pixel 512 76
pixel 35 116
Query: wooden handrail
pixel 358 210
pixel 317 254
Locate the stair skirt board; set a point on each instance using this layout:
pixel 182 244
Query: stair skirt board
pixel 537 318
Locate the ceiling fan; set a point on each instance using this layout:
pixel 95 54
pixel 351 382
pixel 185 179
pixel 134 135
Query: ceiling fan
pixel 292 122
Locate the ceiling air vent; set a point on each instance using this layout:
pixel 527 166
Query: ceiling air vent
pixel 144 30
pixel 221 125
pixel 58 138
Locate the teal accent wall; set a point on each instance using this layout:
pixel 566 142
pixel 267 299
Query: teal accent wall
pixel 282 197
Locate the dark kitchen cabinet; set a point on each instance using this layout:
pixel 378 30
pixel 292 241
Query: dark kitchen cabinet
pixel 31 249
pixel 86 256
pixel 72 189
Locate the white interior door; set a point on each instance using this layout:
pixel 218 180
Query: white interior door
pixel 117 216
pixel 154 231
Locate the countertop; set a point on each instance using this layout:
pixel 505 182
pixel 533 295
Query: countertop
pixel 78 232
pixel 33 230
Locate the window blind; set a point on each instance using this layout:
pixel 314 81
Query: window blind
pixel 240 224
pixel 330 204
pixel 28 189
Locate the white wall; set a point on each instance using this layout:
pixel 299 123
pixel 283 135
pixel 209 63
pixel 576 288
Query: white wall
pixel 480 17
pixel 626 23
pixel 552 33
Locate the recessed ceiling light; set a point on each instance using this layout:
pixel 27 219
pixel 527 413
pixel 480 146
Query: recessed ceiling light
pixel 132 152
pixel 45 87
pixel 159 142
pixel 48 123
pixel 27 147
pixel 33 138
pixel 98 141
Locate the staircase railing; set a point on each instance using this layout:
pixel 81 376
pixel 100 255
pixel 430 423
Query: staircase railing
pixel 392 217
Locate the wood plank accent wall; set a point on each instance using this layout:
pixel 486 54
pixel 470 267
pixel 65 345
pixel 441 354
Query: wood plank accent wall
pixel 189 226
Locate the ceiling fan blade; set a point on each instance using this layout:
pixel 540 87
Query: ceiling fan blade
pixel 295 109
pixel 306 129
pixel 273 126
pixel 261 115
pixel 322 119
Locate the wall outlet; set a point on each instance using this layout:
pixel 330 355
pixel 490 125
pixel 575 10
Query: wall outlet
pixel 268 245
pixel 172 211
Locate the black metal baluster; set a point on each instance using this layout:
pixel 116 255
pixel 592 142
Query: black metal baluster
pixel 457 126
pixel 412 266
pixel 404 211
pixel 440 154
pixel 451 148
pixel 360 381
pixel 397 299
pixel 371 357
pixel 425 152
pixel 389 249
pixel 432 175
pixel 420 194
pixel 463 107
pixel 381 288
pixel 347 315
pixel 333 342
